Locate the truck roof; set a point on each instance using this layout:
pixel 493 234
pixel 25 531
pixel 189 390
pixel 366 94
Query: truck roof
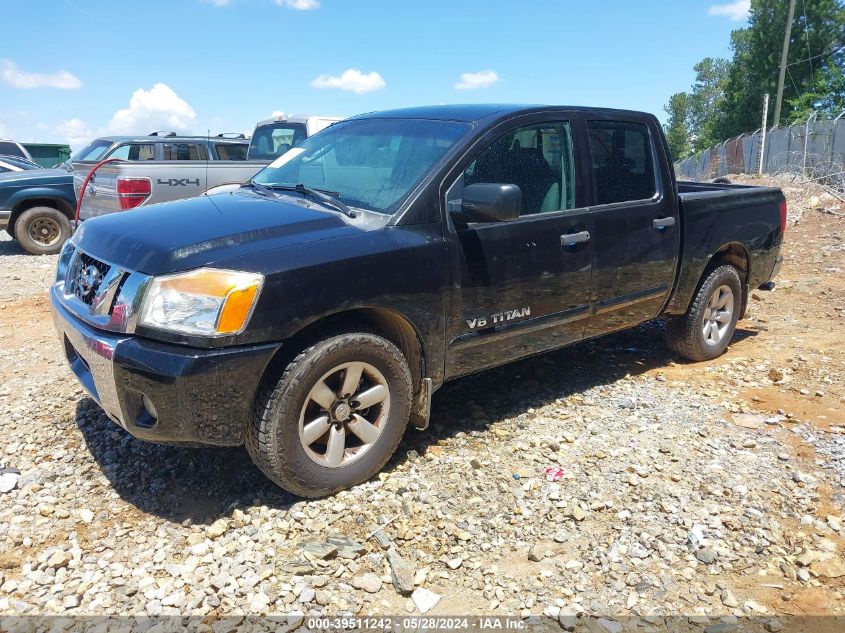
pixel 296 118
pixel 170 139
pixel 472 113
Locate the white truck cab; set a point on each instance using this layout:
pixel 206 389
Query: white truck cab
pixel 274 136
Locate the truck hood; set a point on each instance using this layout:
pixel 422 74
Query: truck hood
pixel 187 234
pixel 33 177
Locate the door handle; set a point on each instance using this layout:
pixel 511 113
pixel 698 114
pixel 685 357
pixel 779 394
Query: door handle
pixel 661 223
pixel 571 239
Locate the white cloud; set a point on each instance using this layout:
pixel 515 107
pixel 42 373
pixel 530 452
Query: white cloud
pixel 218 3
pixel 158 108
pixel 735 11
pixel 74 132
pixel 299 5
pixel 14 76
pixel 481 79
pixel 352 80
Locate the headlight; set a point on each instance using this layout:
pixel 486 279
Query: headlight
pixel 64 260
pixel 207 301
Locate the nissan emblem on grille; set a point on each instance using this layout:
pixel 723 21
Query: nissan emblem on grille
pixel 87 281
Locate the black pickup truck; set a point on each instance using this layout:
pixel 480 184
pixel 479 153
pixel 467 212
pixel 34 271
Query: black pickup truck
pixel 312 313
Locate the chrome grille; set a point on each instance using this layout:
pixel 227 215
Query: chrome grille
pixel 85 275
pixel 107 297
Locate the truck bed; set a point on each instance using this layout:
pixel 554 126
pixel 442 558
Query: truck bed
pixel 715 214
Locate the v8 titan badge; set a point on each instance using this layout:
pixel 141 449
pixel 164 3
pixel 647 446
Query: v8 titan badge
pixel 498 318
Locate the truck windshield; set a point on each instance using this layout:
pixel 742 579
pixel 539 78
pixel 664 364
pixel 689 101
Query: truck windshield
pixel 93 151
pixel 371 164
pixel 271 141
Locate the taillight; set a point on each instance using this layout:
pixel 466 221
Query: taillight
pixel 782 217
pixel 131 192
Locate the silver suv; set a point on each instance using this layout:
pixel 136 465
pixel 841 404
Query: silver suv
pixel 8 147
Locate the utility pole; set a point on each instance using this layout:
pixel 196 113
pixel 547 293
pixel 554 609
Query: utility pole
pixel 763 134
pixel 783 57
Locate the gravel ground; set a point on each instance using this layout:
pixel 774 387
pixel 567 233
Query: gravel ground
pixel 22 274
pixel 668 492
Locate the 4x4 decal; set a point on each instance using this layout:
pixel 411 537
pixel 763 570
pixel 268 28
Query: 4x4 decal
pixel 179 182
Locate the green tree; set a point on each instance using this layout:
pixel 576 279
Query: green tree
pixel 708 94
pixel 676 127
pixel 825 96
pixel 818 31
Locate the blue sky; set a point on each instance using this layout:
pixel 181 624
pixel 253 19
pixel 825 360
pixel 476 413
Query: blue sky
pixel 74 69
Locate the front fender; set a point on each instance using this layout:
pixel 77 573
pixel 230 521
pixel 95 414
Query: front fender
pixel 66 199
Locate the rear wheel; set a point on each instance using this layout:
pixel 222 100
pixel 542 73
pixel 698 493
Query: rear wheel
pixel 42 230
pixel 334 417
pixel 709 324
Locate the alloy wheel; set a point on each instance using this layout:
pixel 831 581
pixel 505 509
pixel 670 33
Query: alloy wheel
pixel 344 414
pixel 718 315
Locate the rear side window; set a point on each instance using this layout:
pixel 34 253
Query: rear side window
pixel 134 151
pixel 184 151
pixel 10 149
pixel 231 151
pixel 623 165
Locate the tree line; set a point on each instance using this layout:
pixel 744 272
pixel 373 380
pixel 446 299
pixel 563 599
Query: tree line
pixel 726 98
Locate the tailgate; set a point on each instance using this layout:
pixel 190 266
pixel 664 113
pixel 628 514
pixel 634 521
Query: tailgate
pixel 101 194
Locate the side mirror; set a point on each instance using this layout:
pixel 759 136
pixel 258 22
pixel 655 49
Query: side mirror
pixel 491 202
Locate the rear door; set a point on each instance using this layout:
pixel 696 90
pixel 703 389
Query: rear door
pixel 520 287
pixel 635 224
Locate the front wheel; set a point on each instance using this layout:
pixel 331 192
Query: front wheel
pixel 334 417
pixel 42 230
pixel 708 326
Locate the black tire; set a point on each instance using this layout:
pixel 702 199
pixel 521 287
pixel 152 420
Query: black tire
pixel 49 224
pixel 273 435
pixel 685 335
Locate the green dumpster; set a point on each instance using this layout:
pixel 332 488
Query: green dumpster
pixel 48 154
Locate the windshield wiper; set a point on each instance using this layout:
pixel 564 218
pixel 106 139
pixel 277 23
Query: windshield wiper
pixel 259 187
pixel 329 198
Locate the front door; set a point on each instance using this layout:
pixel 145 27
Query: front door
pixel 635 239
pixel 520 287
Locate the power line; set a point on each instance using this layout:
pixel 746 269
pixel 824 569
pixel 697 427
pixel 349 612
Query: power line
pixel 832 51
pixel 794 85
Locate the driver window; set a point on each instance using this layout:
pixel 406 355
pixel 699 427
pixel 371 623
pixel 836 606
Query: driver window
pixel 538 159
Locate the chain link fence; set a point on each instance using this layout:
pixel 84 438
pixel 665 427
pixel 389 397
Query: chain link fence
pixel 813 149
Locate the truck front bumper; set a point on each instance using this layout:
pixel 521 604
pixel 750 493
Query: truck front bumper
pixel 162 392
pixel 5 216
